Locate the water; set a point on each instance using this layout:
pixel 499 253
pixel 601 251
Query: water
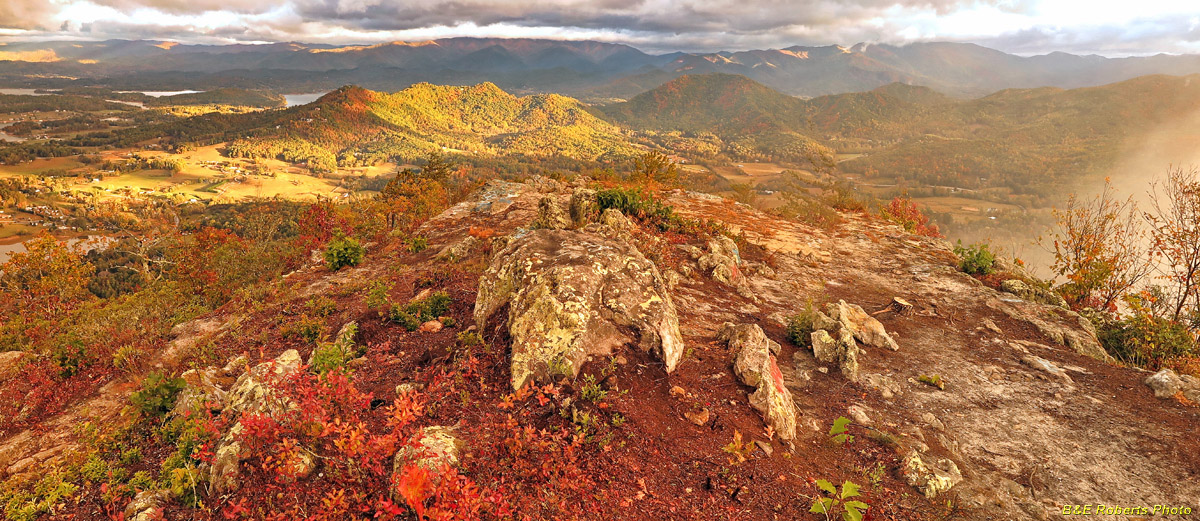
pixel 10 138
pixel 23 92
pixel 160 93
pixel 302 99
pixel 86 243
pixel 134 103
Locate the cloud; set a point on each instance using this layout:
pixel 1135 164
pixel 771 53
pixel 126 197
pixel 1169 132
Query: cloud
pixel 25 14
pixel 1025 26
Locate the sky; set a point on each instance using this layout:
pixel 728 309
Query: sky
pixel 1106 27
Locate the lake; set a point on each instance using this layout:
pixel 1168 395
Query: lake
pixel 23 92
pixel 302 99
pixel 10 138
pixel 87 242
pixel 160 93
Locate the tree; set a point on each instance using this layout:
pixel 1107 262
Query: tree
pixel 1175 230
pixel 1098 249
pixel 437 167
pixel 47 280
pixel 654 166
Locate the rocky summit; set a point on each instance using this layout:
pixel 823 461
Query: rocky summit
pixel 545 355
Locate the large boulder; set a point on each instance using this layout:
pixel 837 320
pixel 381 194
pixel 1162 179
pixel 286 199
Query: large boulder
pixel 575 294
pixel 756 367
pixel 583 207
pixel 1032 293
pixel 862 325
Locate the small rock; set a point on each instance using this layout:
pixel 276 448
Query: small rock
pixel 550 215
pixel 1165 383
pixel 930 478
pixel 436 446
pixel 742 335
pixel 699 417
pixel 433 326
pixel 863 326
pixel 859 414
pixel 678 391
pixel 145 505
pixel 991 326
pixel 765 447
pixel 932 421
pixel 1047 366
pixel 843 351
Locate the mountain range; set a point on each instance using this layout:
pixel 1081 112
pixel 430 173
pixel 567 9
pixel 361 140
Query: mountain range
pixel 584 69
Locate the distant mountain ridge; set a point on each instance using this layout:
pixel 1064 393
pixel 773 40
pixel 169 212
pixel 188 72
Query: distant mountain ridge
pixel 585 69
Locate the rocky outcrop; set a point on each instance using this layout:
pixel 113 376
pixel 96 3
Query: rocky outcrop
pixel 756 367
pixel 434 447
pixel 550 215
pixel 1032 293
pixel 854 319
pixel 574 294
pixel 583 206
pixel 459 250
pixel 842 350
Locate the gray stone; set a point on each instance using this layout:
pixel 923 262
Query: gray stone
pixel 573 294
pixel 550 215
pixel 756 367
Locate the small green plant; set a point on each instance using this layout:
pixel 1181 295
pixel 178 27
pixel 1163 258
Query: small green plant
pixel 413 314
pixel 332 355
pixel 416 244
pixel 142 480
pixel 801 326
pixel 839 432
pixel 975 259
pixel 934 381
pixel 592 391
pixel 321 306
pixel 839 502
pixel 875 474
pixel 158 393
pixel 377 295
pixel 738 449
pixel 343 251
pixel 309 328
pixel 127 358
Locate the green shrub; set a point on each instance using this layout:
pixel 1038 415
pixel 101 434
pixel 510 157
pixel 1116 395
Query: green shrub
pixel 158 393
pixel 416 244
pixel 321 306
pixel 975 259
pixel 1146 340
pixel 377 294
pixel 342 252
pixel 399 315
pixel 413 314
pixel 332 355
pixel 306 327
pixel 640 205
pixel 800 326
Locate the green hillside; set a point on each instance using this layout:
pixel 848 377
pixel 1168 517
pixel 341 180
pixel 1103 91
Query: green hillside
pixel 354 126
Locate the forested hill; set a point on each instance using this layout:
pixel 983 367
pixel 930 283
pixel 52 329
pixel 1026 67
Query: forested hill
pixel 354 126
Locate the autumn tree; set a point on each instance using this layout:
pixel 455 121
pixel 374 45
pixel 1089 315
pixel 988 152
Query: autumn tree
pixel 1175 231
pixel 1098 250
pixel 654 166
pixel 412 196
pixel 47 280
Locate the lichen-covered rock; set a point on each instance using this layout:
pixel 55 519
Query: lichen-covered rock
pixel 1167 384
pixel 930 478
pixel 252 392
pixel 1046 366
pixel 746 334
pixel 755 366
pixel 841 350
pixel 1032 293
pixel 436 446
pixel 722 261
pixel 459 250
pixel 146 504
pixel 550 215
pixel 573 294
pixel 583 207
pixel 863 326
pixel 200 392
